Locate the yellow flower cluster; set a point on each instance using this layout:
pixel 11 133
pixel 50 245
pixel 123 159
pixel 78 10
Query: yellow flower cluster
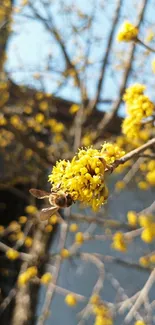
pixel 139 322
pixel 74 108
pixel 26 276
pixel 119 243
pixel 132 218
pixel 79 238
pixel 148 260
pixel 127 33
pixel 46 278
pixel 31 209
pixel 65 253
pixel 145 221
pixel 101 311
pixel 28 241
pixel 83 177
pixel 55 126
pixel 54 219
pixel 70 300
pixel 22 220
pixel 12 254
pixel 148 233
pixel 148 169
pixel 73 227
pixel 139 107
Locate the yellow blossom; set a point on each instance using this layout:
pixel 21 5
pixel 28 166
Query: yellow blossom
pixel 20 235
pixel 23 279
pixel 46 278
pixel 73 227
pixel 120 185
pixel 32 271
pixel 65 253
pixel 22 220
pixel 48 228
pixel 70 300
pixel 143 167
pixel 95 299
pixel 83 177
pixel 128 32
pixel 144 261
pixel 15 121
pixel 43 106
pixel 132 218
pixel 79 238
pixel 31 209
pixel 27 109
pixel 143 185
pixel 39 96
pixel 12 254
pixel 119 242
pixel 138 107
pixel 39 118
pixel 28 241
pixel 151 165
pixel 150 177
pixel 14 226
pixel 147 235
pixel 145 220
pixel 53 219
pixel 139 322
pixel 74 108
pixel 3 120
pixel 152 258
pixel 26 276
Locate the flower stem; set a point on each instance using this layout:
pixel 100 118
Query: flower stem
pixel 138 41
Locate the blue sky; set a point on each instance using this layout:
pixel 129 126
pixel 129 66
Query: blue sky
pixel 31 46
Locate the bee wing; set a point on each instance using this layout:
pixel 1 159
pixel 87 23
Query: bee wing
pixel 39 194
pixel 47 213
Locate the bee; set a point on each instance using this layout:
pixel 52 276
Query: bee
pixel 57 200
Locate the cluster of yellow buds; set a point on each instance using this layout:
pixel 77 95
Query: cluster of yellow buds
pixel 73 227
pixel 139 107
pixel 139 322
pixel 31 209
pixel 101 311
pixel 79 238
pixel 26 276
pixel 46 278
pixel 71 300
pixel 12 254
pixel 65 253
pixel 83 177
pixel 148 260
pixel 55 126
pixel 127 33
pixel 145 221
pixel 119 242
pixel 148 170
pixel 148 233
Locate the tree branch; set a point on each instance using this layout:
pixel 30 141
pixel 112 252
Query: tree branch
pixel 109 116
pixel 105 59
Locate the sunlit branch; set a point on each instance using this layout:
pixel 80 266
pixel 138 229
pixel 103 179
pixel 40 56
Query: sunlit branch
pixel 134 153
